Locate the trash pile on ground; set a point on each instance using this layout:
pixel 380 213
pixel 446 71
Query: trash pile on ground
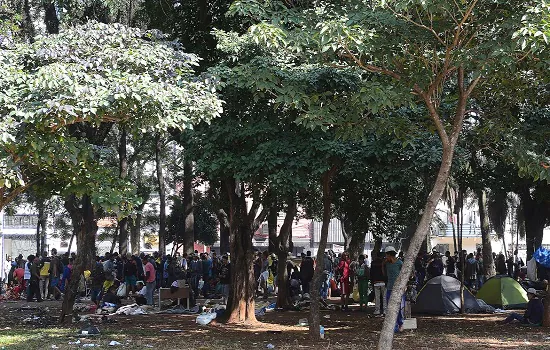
pixel 262 308
pixel 39 317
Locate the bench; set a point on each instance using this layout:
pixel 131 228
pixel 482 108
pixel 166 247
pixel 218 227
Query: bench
pixel 182 293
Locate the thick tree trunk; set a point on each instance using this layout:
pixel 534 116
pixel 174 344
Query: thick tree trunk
pixel 240 305
pixel 535 216
pixel 188 205
pixel 123 168
pixel 377 246
pixel 115 239
pixel 162 196
pixel 84 222
pixel 386 335
pixel 281 249
pixel 50 17
pixel 135 234
pixel 314 321
pixel 27 21
pixel 487 250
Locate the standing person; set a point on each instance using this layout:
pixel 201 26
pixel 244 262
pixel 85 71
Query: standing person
pixel 27 276
pixel 420 269
pixel 510 266
pixel 344 272
pixel 518 264
pixel 98 278
pixel 306 272
pixel 184 263
pixel 225 278
pixel 450 264
pixel 34 288
pixel 44 276
pixel 130 274
pixel 480 271
pixel 471 271
pixel 206 273
pixel 378 281
pixel 363 274
pixel 150 278
pixel 393 267
pixel 501 265
pixel 56 269
pixel 195 271
pixel 67 273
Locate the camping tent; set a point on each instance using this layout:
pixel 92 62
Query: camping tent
pixel 441 296
pixel 503 292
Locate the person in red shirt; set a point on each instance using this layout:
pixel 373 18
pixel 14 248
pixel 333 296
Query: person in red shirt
pixel 150 275
pixel 344 271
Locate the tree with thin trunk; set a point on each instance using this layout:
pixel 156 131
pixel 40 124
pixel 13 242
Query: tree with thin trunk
pixel 162 194
pixel 123 173
pixel 188 204
pixel 390 41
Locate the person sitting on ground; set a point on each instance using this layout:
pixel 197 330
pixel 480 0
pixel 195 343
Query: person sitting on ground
pixel 111 299
pixel 533 314
pixel 139 296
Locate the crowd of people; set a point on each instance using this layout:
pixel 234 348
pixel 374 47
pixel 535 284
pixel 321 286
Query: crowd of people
pixel 114 276
pixel 466 265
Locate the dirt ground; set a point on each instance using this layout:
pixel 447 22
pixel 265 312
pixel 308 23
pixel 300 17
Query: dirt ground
pixel 344 330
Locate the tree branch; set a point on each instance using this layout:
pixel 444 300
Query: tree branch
pixel 420 25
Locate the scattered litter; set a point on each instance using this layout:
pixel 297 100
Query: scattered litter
pixel 55 347
pixel 133 309
pixel 500 311
pixel 114 343
pixel 74 342
pixel 327 316
pixel 172 330
pixel 90 345
pixel 148 346
pixel 322 332
pixel 303 322
pixel 91 330
pixel 270 346
pixel 206 318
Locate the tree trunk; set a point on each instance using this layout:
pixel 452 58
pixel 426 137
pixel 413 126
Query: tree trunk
pixel 386 335
pixel 345 225
pixel 224 231
pixel 281 248
pixel 314 322
pixel 357 245
pixel 377 246
pixel 462 253
pixel 189 206
pixel 240 305
pixel 135 234
pixel 272 229
pixel 27 21
pixel 535 217
pixel 71 242
pixel 115 238
pixel 487 250
pixel 123 168
pixel 162 196
pixel 40 227
pixel 84 222
pixel 50 17
pixel 546 315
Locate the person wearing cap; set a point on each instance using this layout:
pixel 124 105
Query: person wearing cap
pixel 534 313
pixel 393 267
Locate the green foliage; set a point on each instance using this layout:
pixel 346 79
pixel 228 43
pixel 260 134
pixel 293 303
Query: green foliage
pixel 206 225
pixel 92 74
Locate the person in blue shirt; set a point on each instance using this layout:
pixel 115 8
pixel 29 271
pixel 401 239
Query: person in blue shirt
pixel 392 269
pixel 533 314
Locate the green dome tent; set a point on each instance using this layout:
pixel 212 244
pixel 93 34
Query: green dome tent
pixel 503 292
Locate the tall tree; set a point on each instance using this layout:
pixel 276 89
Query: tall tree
pixel 388 42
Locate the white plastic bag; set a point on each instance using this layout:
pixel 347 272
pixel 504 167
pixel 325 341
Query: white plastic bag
pixel 121 291
pixel 206 318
